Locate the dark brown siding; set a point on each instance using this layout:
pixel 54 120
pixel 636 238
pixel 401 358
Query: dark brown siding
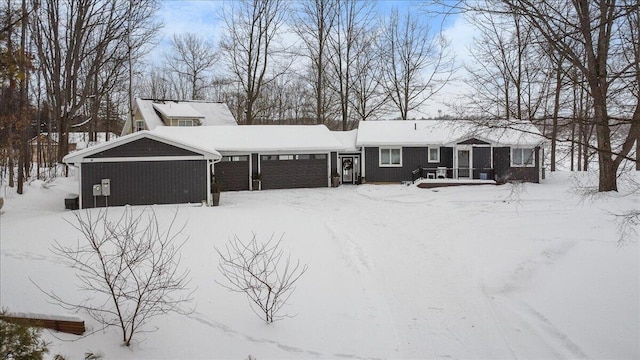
pixel 412 158
pixel 143 148
pixel 504 171
pixel 146 182
pixel 232 175
pixel 287 174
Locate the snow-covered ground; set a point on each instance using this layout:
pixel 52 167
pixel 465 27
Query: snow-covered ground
pixel 492 272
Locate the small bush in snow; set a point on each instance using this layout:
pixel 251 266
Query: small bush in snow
pixel 128 266
pixel 261 271
pixel 20 342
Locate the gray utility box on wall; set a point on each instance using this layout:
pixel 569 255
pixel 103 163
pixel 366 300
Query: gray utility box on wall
pixel 97 190
pixel 106 187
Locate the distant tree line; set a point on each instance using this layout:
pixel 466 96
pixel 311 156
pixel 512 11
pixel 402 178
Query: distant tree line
pixel 572 67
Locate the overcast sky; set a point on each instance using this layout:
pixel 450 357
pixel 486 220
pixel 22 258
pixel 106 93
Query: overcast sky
pixel 203 18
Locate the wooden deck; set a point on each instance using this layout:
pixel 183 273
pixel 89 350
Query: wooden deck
pixel 69 325
pixel 436 183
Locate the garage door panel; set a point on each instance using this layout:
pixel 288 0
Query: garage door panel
pixel 286 174
pixel 232 175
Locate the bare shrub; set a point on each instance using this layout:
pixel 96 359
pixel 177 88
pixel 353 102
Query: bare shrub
pixel 129 267
pixel 262 271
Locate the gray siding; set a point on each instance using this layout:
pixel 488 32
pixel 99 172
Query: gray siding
pixel 146 182
pixel 144 147
pixel 504 171
pixel 287 174
pixel 412 158
pixel 232 175
pixel 334 162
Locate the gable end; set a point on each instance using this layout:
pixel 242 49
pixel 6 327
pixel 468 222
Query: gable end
pixel 143 147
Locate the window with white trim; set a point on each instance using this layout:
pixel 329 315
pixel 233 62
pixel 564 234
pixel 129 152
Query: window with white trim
pixel 139 125
pixel 390 157
pixel 187 122
pixel 522 157
pixel 434 154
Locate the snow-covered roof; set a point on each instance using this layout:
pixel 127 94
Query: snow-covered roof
pixel 207 150
pixel 445 132
pixel 347 139
pixel 173 109
pixel 209 113
pixel 257 138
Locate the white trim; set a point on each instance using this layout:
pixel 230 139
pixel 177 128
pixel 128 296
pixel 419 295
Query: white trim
pixel 362 167
pixel 429 154
pixel 81 155
pixel 145 158
pixel 456 162
pixel 209 171
pixel 391 164
pixel 329 168
pixel 79 167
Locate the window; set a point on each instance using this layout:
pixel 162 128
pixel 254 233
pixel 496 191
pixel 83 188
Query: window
pixel 185 122
pixel 235 158
pixel 269 157
pixel 319 157
pixel 390 157
pixel 139 125
pixel 434 154
pixel 286 157
pixel 303 157
pixel 522 157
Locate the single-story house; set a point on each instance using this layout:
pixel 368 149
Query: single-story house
pixel 149 114
pixel 452 149
pixel 144 168
pixel 178 164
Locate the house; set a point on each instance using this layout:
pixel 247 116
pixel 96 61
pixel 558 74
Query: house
pixel 179 164
pixel 149 114
pixel 281 156
pixel 143 168
pixel 392 151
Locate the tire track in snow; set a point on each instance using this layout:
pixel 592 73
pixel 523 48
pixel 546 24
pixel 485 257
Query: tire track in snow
pixel 227 330
pixel 524 315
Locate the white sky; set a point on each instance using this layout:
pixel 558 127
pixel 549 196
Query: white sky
pixel 203 18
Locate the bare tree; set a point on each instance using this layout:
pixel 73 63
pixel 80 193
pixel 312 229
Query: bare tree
pixel 192 59
pixel 250 46
pixel 352 22
pixel 314 23
pixel 74 40
pixel 419 64
pixel 128 266
pixel 262 271
pixel 592 30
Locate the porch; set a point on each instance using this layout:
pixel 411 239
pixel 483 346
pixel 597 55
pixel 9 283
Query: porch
pixel 443 176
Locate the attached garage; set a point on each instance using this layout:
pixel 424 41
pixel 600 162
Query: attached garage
pixel 281 156
pixel 143 169
pixel 294 171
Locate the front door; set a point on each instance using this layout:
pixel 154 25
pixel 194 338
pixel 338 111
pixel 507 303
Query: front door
pixel 464 163
pixel 347 170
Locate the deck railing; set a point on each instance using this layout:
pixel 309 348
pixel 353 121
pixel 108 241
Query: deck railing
pixel 453 173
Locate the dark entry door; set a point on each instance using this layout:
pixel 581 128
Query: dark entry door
pixel 347 170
